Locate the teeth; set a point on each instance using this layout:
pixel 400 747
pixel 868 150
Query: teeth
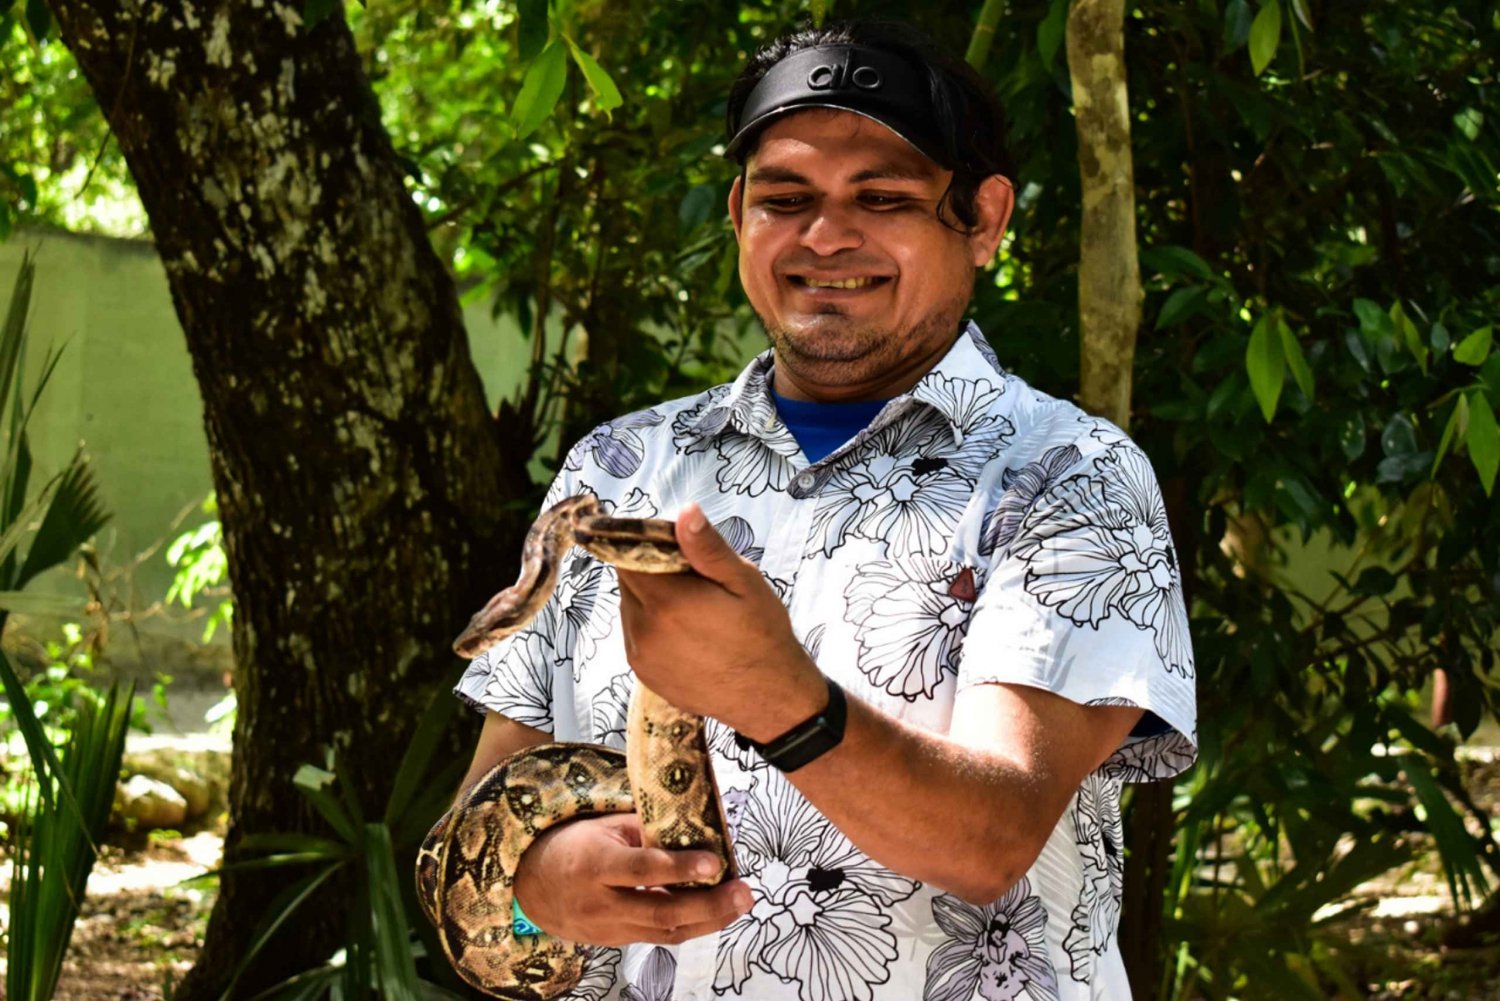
pixel 845 283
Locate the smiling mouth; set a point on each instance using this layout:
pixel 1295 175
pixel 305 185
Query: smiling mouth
pixel 809 282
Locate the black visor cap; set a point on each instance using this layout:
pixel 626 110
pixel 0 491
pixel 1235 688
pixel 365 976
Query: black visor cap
pixel 869 82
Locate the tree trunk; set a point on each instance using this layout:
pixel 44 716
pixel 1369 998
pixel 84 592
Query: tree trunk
pixel 355 463
pixel 1109 276
pixel 1109 315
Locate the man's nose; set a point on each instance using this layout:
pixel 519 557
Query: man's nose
pixel 831 230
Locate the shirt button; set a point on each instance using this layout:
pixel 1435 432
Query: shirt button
pixel 806 481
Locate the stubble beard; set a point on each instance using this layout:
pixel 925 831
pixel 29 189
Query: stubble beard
pixel 838 349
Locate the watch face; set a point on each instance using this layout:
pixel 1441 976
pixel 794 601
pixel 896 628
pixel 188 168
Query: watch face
pixel 810 739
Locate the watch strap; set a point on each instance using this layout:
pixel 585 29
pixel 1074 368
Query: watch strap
pixel 810 739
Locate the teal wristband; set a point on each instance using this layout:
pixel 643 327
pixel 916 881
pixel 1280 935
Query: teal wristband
pixel 520 924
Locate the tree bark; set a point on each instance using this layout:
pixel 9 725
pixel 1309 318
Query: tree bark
pixel 355 463
pixel 1109 316
pixel 1109 274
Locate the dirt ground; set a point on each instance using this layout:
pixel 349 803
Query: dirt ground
pixel 140 930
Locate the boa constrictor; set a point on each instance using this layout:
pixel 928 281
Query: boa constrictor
pixel 466 867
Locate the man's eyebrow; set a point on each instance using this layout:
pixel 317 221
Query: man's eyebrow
pixel 879 172
pixel 776 175
pixel 891 172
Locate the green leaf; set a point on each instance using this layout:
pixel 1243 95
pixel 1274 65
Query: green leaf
pixel 1483 440
pixel 1458 423
pixel 1266 365
pixel 293 842
pixel 1462 862
pixel 1374 322
pixel 1236 24
pixel 1181 304
pixel 13 334
pixel 1292 349
pixel 1352 436
pixel 282 907
pixel 314 783
pixel 1375 581
pixel 395 968
pixel 1176 262
pixel 819 10
pixel 532 28
pixel 1475 348
pixel 1299 7
pixel 1406 331
pixel 418 755
pixel 1399 436
pixel 74 515
pixel 53 848
pixel 697 206
pixel 1438 338
pixel 540 90
pixel 1489 375
pixel 1265 36
pixel 1052 30
pixel 1469 121
pixel 606 94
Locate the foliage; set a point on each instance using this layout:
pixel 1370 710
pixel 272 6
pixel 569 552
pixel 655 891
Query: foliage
pixel 57 828
pixel 58 163
pixel 379 953
pixel 1296 373
pixel 65 512
pixel 55 839
pixel 202 568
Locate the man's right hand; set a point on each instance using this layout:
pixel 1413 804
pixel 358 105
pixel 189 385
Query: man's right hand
pixel 590 881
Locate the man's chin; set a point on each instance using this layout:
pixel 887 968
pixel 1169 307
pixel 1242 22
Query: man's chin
pixel 815 347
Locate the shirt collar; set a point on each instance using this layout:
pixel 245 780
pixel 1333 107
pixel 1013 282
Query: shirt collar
pixel 948 387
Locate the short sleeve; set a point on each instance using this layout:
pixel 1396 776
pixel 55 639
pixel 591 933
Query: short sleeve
pixel 1083 598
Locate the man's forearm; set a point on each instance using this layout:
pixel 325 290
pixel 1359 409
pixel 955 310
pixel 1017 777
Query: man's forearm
pixel 926 806
pixel 968 813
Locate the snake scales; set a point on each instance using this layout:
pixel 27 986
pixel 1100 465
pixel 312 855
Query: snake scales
pixel 467 864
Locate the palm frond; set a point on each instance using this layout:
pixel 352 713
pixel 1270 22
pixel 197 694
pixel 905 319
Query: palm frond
pixel 14 332
pixel 73 516
pixel 13 533
pixel 57 835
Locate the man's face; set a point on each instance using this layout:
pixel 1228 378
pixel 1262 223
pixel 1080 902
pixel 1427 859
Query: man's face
pixel 859 285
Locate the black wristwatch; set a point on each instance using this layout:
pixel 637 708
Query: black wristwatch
pixel 811 738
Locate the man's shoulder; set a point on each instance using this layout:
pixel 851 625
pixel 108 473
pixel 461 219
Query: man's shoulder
pixel 1044 422
pixel 623 445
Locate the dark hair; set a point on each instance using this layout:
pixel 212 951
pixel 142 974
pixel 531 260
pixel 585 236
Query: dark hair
pixel 970 118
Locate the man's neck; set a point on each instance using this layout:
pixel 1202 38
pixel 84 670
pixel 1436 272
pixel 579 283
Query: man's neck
pixel 889 386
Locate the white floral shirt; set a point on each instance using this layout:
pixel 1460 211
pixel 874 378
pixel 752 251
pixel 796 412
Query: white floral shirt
pixel 976 532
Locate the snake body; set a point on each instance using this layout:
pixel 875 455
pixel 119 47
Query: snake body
pixel 466 867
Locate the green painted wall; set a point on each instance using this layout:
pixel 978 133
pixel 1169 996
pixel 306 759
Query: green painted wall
pixel 124 390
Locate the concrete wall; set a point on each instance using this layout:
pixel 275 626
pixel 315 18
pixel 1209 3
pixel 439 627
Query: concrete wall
pixel 124 391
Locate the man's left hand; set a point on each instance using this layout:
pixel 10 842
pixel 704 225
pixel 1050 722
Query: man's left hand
pixel 718 642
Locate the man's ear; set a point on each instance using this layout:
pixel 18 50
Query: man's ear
pixel 993 203
pixel 737 204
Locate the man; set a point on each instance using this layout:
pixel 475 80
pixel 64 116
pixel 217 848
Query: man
pixel 888 528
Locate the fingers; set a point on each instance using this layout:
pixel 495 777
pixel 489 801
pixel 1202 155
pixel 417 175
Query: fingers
pixel 707 551
pixel 671 916
pixel 590 881
pixel 632 867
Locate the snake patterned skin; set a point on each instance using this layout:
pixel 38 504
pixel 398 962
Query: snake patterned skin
pixel 466 867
